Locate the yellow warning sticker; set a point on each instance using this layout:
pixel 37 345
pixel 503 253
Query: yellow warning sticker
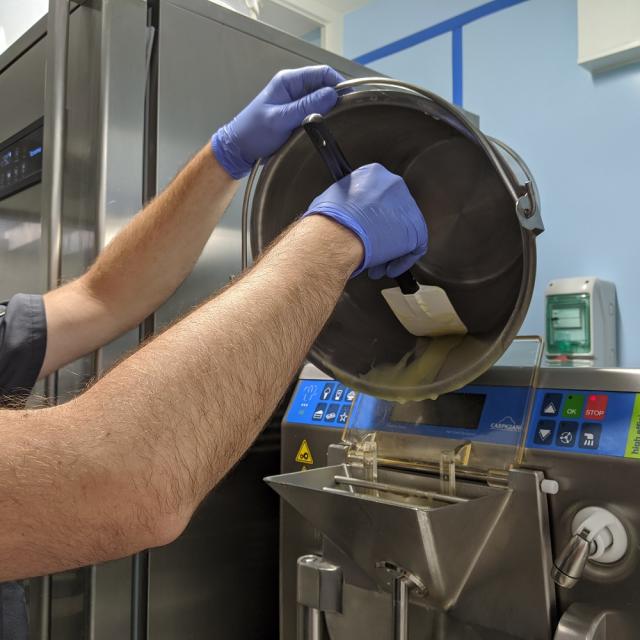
pixel 304 454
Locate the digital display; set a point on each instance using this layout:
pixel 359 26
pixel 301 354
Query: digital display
pixel 458 410
pixel 21 160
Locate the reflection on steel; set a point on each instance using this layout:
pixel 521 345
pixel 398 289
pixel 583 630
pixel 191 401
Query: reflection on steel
pixel 399 490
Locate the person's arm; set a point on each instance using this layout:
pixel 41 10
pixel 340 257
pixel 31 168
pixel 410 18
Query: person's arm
pixel 141 267
pixel 123 466
pixel 151 256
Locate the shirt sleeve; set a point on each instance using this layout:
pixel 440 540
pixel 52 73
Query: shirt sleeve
pixel 23 342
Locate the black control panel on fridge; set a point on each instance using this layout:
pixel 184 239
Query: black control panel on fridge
pixel 21 160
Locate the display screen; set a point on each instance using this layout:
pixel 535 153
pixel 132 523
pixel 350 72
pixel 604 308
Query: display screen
pixel 21 160
pixel 461 410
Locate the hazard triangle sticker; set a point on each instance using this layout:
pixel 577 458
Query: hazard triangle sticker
pixel 304 454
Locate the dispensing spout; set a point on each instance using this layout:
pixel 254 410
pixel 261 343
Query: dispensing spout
pixel 598 535
pixel 568 568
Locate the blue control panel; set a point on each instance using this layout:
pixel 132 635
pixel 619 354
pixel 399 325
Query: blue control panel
pixel 598 423
pixel 580 422
pixel 479 413
pixel 321 403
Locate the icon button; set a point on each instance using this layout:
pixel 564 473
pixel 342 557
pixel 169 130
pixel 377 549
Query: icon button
pixel 551 404
pixel 339 393
pixel 332 413
pixel 350 395
pixel 544 432
pixel 573 406
pixel 590 436
pixel 596 407
pixel 567 434
pixel 343 415
pixel 318 414
pixel 327 391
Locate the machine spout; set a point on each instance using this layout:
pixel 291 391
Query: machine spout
pixel 568 568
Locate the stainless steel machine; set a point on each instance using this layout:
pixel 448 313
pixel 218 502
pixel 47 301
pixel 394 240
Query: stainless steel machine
pixel 505 510
pixel 100 108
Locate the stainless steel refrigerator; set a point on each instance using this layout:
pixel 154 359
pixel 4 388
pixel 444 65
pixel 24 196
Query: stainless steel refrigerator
pixel 137 87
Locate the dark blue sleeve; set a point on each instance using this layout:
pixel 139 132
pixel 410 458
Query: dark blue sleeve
pixel 23 341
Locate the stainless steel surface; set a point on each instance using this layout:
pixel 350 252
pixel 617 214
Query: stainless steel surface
pixel 54 133
pixel 582 622
pixel 403 525
pixel 589 379
pixel 319 589
pixel 401 587
pixel 398 490
pixel 421 136
pixel 319 584
pixel 568 567
pixel 599 481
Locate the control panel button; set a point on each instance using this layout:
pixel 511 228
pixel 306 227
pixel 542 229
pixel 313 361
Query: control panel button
pixel 338 393
pixel 567 434
pixel 544 432
pixel 590 436
pixel 343 414
pixel 551 404
pixel 332 413
pixel 350 395
pixel 573 406
pixel 596 407
pixel 327 391
pixel 318 414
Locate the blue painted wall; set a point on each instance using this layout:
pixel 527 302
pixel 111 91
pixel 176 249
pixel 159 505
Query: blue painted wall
pixel 580 134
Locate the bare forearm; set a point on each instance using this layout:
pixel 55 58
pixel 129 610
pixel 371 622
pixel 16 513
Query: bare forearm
pixel 155 252
pixel 139 450
pixel 142 265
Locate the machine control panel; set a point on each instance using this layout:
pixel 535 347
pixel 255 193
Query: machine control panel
pixel 479 413
pixel 604 423
pixel 594 422
pixel 21 160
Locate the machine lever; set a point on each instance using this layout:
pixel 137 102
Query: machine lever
pixel 598 535
pixel 568 568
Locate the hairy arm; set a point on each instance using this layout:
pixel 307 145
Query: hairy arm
pixel 123 466
pixel 141 267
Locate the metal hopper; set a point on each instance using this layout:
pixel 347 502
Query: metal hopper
pixel 437 539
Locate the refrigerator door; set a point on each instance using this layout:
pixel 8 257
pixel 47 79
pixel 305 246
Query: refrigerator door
pixel 220 579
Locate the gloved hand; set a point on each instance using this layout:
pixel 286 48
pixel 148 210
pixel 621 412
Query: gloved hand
pixel 376 205
pixel 266 123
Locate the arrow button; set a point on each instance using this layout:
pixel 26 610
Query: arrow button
pixel 551 404
pixel 544 432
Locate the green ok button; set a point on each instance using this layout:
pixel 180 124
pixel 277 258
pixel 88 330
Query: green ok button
pixel 573 406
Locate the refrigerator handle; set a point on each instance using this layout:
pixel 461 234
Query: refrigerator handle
pixel 52 194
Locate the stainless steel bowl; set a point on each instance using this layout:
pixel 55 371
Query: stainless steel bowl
pixel 482 211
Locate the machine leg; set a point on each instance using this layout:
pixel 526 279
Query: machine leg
pixel 401 587
pixel 319 589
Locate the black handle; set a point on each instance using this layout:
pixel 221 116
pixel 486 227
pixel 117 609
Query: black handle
pixel 326 146
pixel 339 167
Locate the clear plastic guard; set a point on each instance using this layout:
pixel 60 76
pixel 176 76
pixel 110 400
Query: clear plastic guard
pixel 452 432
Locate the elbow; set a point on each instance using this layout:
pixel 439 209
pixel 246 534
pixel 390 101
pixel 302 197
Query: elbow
pixel 167 529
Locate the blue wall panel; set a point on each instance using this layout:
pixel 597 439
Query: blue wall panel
pixel 579 133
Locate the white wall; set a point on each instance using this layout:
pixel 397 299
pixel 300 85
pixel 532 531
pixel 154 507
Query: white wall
pixel 16 16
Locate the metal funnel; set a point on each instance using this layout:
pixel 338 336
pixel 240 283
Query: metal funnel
pixel 438 543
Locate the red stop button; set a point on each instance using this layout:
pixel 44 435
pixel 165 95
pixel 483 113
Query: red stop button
pixel 596 407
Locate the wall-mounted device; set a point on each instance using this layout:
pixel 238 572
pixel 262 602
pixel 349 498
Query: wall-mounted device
pixel 580 322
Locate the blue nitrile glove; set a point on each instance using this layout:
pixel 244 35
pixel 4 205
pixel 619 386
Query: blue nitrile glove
pixel 376 205
pixel 266 123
